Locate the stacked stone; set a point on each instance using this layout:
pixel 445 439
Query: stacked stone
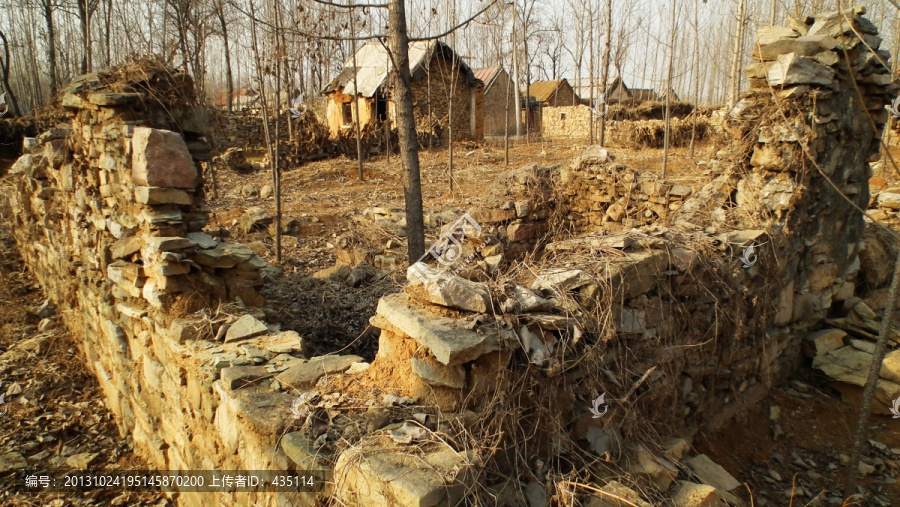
pixel 567 122
pixel 601 195
pixel 110 219
pixel 885 207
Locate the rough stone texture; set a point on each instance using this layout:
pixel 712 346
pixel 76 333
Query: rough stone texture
pixel 122 284
pixel 308 373
pixel 794 69
pixel 245 327
pixel 448 339
pixel 388 477
pixel 434 373
pixel 445 289
pixel 159 158
pixel 691 494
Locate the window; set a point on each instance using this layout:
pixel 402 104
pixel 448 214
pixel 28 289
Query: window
pixel 562 116
pixel 347 113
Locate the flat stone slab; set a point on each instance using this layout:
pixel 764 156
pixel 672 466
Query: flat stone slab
pixel 446 338
pixel 236 377
pixel 381 477
pixel 223 255
pixel 712 473
pixel 245 327
pixel 308 373
pixel 301 451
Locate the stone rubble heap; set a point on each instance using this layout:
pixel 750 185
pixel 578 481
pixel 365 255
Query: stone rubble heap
pixel 603 196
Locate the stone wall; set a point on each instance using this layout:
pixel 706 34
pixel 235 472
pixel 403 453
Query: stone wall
pixel 110 219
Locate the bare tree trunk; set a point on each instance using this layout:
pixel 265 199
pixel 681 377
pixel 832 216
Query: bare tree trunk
pixel 276 165
pixel 735 83
pixel 506 127
pixel 4 69
pixel 591 78
pixel 774 11
pixel 359 152
pixel 516 91
pixel 47 6
pixel 220 13
pixel 605 69
pixel 669 91
pixel 696 75
pixel 406 128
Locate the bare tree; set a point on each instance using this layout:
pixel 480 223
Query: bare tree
pixel 604 68
pixel 406 129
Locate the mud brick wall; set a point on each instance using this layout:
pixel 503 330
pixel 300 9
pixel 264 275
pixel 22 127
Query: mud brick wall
pixel 110 221
pixel 444 76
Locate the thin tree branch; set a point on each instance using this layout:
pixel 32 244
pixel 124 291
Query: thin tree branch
pixel 457 27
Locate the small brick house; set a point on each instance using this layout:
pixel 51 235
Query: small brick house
pixel 435 70
pixel 498 91
pixel 552 93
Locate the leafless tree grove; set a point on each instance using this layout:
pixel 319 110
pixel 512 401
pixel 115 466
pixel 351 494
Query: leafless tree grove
pixel 48 42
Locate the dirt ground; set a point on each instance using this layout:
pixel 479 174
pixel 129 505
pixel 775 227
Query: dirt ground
pixel 54 412
pixel 59 411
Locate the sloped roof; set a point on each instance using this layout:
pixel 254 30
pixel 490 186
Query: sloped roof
pixel 487 75
pixel 542 91
pixel 644 94
pixel 373 63
pixel 583 86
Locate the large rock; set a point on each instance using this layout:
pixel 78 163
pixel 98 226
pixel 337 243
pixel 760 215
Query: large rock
pixel 769 34
pixel 803 46
pixel 436 374
pixel 224 255
pixel 156 195
pixel 245 327
pixel 691 494
pixel 446 289
pixel 381 477
pixel 888 200
pixel 713 474
pixel 793 69
pixel 254 219
pixel 307 374
pixel 824 341
pixel 450 340
pixel 159 158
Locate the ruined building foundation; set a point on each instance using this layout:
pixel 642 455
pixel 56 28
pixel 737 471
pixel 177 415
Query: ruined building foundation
pixel 111 218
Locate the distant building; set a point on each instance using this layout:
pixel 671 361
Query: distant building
pixel 552 93
pixel 639 95
pixel 616 91
pixel 498 91
pixel 433 66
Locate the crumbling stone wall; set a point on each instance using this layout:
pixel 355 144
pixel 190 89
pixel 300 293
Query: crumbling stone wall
pixel 110 219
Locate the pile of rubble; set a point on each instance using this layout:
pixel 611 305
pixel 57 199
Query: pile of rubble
pixel 601 195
